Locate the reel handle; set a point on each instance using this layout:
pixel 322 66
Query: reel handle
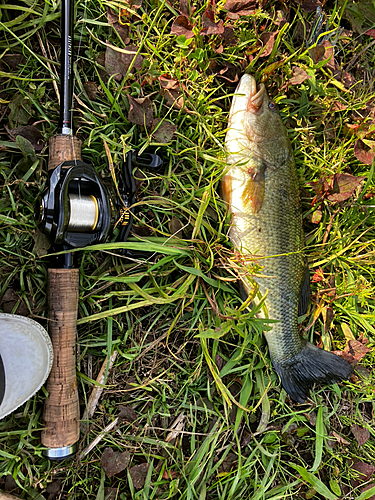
pixel 61 409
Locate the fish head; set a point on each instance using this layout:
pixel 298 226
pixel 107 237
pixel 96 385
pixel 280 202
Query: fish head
pixel 254 121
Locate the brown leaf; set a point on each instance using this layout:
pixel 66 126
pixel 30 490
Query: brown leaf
pixel 138 474
pixel 363 153
pixel 140 111
pixel 230 73
pixel 186 7
pixel 127 59
pixel 240 7
pixel 317 53
pixel 343 187
pixel 31 133
pixel 163 132
pixel 361 434
pixel 168 83
pixel 91 90
pixel 173 98
pixel 354 351
pixel 366 488
pixel 117 63
pixel 364 470
pixel 110 493
pixel 54 489
pixel 42 243
pixel 121 29
pixel 209 26
pixel 114 462
pixel 229 38
pixel 340 439
pixel 9 302
pixel 127 413
pixel 347 79
pixel 299 76
pixel 113 64
pixel 181 26
pixel 309 5
pixel 268 40
pixel 338 106
pixel 13 60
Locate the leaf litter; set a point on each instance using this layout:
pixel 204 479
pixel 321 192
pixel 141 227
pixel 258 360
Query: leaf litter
pixel 151 388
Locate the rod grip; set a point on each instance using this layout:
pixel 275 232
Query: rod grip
pixel 61 410
pixel 63 148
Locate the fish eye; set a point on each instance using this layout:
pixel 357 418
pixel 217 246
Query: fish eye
pixel 272 106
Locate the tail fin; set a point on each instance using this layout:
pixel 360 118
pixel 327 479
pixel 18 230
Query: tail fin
pixel 311 365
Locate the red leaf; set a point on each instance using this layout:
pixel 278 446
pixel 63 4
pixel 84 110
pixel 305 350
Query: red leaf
pixel 354 351
pixel 268 40
pixel 181 26
pixel 240 7
pixel 114 462
pixel 343 187
pixel 209 27
pixel 371 33
pixel 361 434
pixel 140 111
pixel 299 76
pixel 138 474
pixel 318 275
pixel 363 153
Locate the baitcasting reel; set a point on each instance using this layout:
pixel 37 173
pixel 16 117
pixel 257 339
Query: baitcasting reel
pixel 78 209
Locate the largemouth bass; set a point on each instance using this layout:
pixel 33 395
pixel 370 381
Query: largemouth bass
pixel 261 189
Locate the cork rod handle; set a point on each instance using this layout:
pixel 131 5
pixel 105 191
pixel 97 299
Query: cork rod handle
pixel 61 410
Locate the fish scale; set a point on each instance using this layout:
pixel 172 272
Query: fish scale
pixel 261 189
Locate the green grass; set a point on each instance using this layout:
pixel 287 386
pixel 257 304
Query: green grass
pixel 186 343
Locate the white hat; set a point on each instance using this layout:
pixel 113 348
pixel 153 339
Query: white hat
pixel 26 355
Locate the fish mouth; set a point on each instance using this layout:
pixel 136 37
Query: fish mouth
pixel 256 96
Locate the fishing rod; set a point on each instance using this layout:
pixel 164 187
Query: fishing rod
pixel 75 210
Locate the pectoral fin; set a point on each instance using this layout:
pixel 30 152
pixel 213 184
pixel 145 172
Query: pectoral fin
pixel 253 193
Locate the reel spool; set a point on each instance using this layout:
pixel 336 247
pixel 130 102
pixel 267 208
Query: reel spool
pixel 77 209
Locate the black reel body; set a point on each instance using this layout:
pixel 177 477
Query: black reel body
pixel 78 209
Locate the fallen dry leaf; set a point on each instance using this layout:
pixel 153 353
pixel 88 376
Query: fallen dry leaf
pixel 114 462
pixel 163 130
pixel 209 26
pixel 309 5
pixel 182 26
pixel 117 63
pixel 127 414
pixel 365 471
pixel 268 40
pixel 110 493
pixel 237 8
pixel 299 76
pixel 361 434
pixel 140 111
pixel 29 132
pixel 364 153
pixel 338 106
pixel 343 187
pixel 121 29
pixel 337 188
pixel 91 90
pixel 186 8
pixel 339 439
pixel 138 474
pixel 354 351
